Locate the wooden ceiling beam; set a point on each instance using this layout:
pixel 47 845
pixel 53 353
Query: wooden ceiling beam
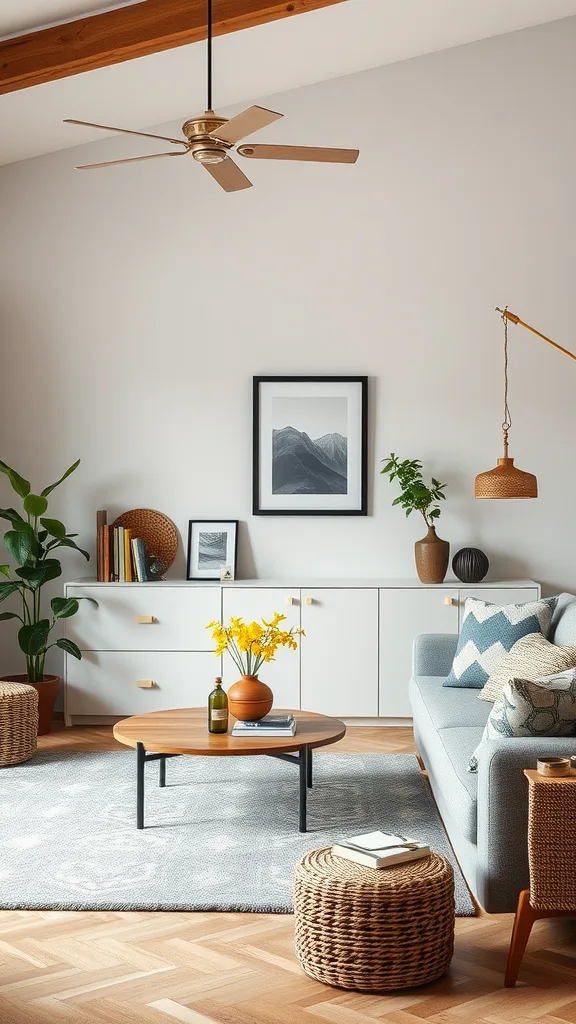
pixel 147 27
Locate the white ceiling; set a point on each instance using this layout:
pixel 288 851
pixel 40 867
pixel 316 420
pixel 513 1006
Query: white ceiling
pixel 258 62
pixel 19 16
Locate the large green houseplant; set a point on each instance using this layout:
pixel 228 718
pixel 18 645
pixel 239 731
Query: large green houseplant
pixel 431 553
pixel 32 540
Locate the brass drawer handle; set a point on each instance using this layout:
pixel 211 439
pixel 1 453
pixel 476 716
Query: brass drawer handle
pixel 145 620
pixel 145 684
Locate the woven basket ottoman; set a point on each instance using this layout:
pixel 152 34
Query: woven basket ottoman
pixel 373 930
pixel 18 722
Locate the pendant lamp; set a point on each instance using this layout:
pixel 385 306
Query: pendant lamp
pixel 506 480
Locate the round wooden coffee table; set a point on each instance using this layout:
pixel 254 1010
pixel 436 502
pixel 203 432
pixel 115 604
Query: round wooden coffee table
pixel 163 734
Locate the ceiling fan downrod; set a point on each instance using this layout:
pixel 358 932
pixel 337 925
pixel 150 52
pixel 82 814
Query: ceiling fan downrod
pixel 209 58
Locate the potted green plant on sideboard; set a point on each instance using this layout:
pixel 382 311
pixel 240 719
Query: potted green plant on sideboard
pixel 32 540
pixel 431 553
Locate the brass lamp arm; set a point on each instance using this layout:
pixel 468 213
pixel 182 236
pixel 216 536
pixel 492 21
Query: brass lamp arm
pixel 516 320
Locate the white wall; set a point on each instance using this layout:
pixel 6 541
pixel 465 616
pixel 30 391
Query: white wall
pixel 137 302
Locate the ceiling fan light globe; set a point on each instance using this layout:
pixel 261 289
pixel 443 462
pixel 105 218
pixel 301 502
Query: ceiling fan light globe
pixel 209 156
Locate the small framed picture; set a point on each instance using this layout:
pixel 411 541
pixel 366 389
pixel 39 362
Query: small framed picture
pixel 212 545
pixel 310 446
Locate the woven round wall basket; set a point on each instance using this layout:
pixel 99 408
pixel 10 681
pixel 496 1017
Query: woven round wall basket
pixel 159 534
pixel 373 931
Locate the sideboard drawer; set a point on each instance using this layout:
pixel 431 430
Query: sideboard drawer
pixel 141 618
pixel 111 682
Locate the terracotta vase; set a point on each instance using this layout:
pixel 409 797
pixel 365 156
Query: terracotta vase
pixel 47 694
pixel 249 699
pixel 432 556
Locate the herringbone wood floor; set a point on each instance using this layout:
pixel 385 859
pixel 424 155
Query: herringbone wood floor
pixel 120 968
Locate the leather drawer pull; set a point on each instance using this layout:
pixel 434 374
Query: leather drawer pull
pixel 145 684
pixel 145 620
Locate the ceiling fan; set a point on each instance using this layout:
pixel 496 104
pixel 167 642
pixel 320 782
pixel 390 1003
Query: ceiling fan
pixel 210 138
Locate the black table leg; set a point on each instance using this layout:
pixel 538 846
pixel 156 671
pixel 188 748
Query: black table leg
pixel 303 766
pixel 140 761
pixel 309 776
pixel 162 773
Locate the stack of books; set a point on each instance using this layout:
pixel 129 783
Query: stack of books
pixel 270 725
pixel 121 556
pixel 381 849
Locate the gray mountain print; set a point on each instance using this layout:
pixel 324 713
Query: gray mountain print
pixel 303 466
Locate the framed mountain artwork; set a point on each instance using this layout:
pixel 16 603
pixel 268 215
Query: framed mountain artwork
pixel 212 549
pixel 310 446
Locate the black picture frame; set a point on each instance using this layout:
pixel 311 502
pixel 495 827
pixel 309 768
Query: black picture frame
pixel 359 509
pixel 192 570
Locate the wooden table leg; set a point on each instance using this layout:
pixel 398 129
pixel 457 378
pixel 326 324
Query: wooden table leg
pixel 523 921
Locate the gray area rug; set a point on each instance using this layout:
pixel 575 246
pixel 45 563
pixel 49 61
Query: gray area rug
pixel 223 835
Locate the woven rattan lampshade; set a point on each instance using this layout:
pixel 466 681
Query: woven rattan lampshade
pixel 505 481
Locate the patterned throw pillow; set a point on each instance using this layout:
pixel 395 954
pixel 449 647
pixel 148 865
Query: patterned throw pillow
pixel 538 707
pixel 488 632
pixel 531 657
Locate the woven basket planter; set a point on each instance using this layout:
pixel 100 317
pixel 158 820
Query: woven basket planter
pixel 373 930
pixel 18 722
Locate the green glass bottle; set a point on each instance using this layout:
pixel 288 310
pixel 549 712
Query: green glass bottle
pixel 218 708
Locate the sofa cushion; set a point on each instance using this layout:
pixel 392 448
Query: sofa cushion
pixel 448 707
pixel 563 630
pixel 531 657
pixel 488 632
pixel 452 749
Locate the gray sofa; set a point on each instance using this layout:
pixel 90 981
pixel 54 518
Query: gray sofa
pixel 485 814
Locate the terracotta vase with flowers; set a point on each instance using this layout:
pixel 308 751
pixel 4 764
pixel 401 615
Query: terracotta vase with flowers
pixel 250 645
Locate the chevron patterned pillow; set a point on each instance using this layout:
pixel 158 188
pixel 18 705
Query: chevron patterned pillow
pixel 488 632
pixel 531 657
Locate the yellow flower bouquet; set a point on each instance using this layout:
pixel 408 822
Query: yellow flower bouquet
pixel 250 644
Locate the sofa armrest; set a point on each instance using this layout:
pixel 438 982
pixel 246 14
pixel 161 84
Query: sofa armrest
pixel 503 814
pixel 433 654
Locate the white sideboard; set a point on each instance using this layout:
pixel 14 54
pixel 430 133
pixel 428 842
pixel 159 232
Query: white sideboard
pixel 146 647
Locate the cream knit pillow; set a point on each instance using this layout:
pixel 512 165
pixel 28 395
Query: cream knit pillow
pixel 530 657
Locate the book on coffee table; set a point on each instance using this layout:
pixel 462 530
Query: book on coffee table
pixel 381 849
pixel 270 725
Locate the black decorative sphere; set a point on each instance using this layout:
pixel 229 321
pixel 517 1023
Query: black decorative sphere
pixel 470 565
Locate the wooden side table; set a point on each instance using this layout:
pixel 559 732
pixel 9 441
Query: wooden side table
pixel 551 849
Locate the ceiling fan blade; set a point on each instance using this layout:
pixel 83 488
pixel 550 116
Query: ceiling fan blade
pixel 228 175
pixel 125 131
pixel 127 160
pixel 316 153
pixel 249 121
